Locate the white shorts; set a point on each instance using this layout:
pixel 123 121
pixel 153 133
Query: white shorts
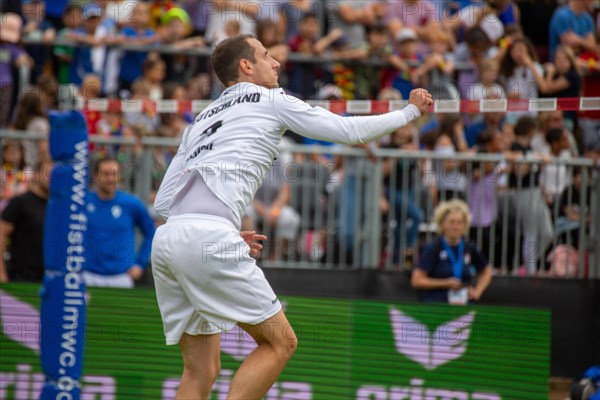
pixel 205 280
pixel 92 279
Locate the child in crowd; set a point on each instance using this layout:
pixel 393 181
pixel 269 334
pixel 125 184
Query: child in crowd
pixel 90 89
pixel 406 61
pixel 81 62
pixel 487 87
pixel 451 139
pixel 515 74
pixel 476 47
pixel 482 190
pixel 174 30
pixel 561 78
pixel 37 27
pixel 438 68
pixel 109 125
pixel 154 74
pixel 532 213
pixel 369 78
pixel 147 120
pixel 138 33
pixel 72 20
pixel 31 116
pixel 302 76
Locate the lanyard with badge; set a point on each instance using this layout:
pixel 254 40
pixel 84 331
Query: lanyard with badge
pixel 458 296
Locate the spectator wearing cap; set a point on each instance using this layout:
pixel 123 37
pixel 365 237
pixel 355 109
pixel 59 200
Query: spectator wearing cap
pixel 37 28
pixel 81 64
pixel 12 55
pixel 406 61
pixel 175 28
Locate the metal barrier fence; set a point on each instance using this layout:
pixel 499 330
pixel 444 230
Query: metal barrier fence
pixel 343 207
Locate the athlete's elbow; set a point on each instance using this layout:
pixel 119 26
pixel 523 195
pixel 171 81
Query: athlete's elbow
pixel 162 209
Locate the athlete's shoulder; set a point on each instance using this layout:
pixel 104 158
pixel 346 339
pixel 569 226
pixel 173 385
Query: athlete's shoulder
pixel 283 101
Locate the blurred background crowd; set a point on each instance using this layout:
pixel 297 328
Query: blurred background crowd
pixel 337 50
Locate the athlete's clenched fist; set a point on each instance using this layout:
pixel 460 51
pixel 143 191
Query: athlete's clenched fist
pixel 421 98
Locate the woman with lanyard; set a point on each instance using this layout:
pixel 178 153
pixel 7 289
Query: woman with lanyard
pixel 449 265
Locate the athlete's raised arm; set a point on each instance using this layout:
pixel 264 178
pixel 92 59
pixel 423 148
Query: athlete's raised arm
pixel 318 123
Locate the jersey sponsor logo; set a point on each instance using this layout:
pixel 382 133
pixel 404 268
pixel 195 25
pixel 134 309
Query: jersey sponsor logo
pixel 116 211
pixel 247 98
pixel 200 149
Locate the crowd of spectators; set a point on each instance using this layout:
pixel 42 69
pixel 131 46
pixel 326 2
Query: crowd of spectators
pixel 368 49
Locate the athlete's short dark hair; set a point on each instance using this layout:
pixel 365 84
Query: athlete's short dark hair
pixel 226 57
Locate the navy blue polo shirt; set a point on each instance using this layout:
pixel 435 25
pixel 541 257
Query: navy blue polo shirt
pixel 436 264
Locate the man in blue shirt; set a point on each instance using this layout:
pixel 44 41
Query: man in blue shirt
pixel 573 26
pixel 81 63
pixel 113 259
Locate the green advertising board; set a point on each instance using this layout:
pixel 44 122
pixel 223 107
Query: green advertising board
pixel 348 349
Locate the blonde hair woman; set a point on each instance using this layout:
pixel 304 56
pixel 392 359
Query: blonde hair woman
pixel 449 266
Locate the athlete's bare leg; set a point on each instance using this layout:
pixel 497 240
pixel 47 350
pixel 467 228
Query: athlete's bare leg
pixel 201 365
pixel 276 344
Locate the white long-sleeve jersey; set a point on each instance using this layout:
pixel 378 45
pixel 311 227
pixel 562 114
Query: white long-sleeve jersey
pixel 234 141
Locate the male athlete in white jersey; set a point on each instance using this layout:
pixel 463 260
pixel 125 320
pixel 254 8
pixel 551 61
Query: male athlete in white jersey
pixel 206 281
